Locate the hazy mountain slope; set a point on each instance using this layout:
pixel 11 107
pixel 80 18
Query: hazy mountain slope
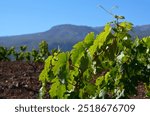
pixel 64 36
pixel 142 31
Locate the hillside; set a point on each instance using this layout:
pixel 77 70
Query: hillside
pixel 64 36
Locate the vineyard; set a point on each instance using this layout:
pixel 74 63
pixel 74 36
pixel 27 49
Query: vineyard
pixel 105 66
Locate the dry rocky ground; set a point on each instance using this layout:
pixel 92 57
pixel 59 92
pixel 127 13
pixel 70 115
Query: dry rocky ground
pixel 19 80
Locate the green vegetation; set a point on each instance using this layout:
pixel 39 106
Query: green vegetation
pixel 109 65
pixel 8 54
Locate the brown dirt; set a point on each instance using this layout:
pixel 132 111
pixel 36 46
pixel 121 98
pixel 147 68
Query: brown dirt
pixel 19 80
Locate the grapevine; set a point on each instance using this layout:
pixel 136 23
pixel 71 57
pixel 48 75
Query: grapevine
pixel 21 54
pixel 107 65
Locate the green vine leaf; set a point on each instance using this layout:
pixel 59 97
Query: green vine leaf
pixel 80 48
pixel 61 63
pixel 100 39
pixel 57 89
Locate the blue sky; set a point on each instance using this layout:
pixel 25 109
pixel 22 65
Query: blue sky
pixel 30 16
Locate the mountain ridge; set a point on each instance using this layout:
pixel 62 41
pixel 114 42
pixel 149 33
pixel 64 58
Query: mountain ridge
pixel 64 36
